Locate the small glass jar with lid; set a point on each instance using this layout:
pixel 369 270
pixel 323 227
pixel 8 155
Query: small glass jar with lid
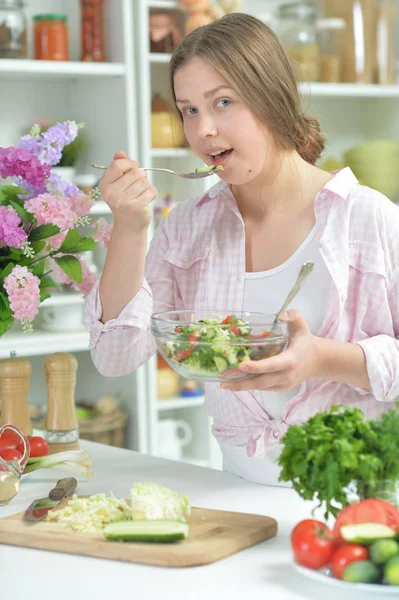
pixel 298 34
pixel 330 42
pixel 12 29
pixel 51 37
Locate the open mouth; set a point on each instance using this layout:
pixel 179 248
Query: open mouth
pixel 222 157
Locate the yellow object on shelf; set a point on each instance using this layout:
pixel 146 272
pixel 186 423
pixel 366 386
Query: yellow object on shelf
pixel 166 131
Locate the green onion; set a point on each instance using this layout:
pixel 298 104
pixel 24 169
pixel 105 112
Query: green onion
pixel 77 461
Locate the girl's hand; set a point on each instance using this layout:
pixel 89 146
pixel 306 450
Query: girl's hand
pixel 128 192
pixel 286 370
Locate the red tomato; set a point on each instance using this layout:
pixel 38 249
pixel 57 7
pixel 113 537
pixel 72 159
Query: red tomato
pixel 236 330
pixel 371 510
pixel 38 446
pixel 345 555
pixel 314 546
pixel 264 334
pixel 307 525
pixel 20 447
pixel 182 354
pixel 11 454
pixel 194 337
pixel 227 320
pixel 9 440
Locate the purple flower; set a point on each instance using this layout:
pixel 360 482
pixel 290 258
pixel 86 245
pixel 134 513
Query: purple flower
pixel 48 146
pixel 11 234
pixel 18 162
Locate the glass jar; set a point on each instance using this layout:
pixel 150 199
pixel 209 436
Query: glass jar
pixel 51 37
pixel 384 489
pixel 92 30
pixel 298 34
pixel 12 29
pixel 330 42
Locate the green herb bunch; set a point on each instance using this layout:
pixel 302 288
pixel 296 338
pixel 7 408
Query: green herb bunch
pixel 325 454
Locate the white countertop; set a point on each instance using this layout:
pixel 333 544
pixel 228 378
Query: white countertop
pixel 264 571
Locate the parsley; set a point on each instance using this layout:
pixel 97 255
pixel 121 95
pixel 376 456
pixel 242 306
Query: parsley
pixel 325 454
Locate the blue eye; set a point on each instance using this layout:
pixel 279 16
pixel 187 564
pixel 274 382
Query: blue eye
pixel 190 111
pixel 224 102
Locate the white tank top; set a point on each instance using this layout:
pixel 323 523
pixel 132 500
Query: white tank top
pixel 265 292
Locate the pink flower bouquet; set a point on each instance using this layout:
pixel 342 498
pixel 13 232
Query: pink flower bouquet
pixel 41 244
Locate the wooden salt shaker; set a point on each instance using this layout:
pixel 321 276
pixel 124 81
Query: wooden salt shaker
pixel 61 424
pixel 14 393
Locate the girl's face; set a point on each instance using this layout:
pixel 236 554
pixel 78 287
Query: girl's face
pixel 219 126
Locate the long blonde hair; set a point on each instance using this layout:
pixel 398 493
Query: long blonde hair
pixel 249 56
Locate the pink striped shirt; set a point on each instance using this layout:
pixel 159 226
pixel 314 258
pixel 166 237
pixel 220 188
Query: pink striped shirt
pixel 197 260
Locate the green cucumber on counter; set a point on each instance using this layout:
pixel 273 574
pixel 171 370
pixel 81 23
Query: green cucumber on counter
pixel 209 169
pixel 366 533
pixel 147 531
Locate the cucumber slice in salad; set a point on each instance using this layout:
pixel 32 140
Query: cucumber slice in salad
pixel 208 169
pixel 146 531
pixel 366 533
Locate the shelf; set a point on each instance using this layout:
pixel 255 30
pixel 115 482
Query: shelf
pixel 43 342
pixel 171 152
pixel 100 208
pixel 63 300
pixel 167 4
pixel 42 69
pixel 180 402
pixel 159 57
pixel 349 90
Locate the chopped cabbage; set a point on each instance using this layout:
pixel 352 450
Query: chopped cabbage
pixel 91 514
pixel 152 501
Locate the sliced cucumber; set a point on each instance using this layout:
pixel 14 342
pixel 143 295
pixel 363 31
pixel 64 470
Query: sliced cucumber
pixel 210 334
pixel 366 533
pixel 147 531
pixel 221 363
pixel 208 169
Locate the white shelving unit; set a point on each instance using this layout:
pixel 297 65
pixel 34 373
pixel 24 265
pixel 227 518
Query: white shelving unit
pixel 114 100
pixel 152 72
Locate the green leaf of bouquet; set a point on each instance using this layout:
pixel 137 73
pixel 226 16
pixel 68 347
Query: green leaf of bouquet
pixel 46 282
pixel 43 231
pixel 5 310
pixel 22 213
pixel 38 268
pixel 7 270
pixel 44 296
pixel 12 190
pixel 5 325
pixel 71 267
pixel 38 246
pixel 74 242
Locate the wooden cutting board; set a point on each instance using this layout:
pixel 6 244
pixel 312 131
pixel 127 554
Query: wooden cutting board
pixel 214 534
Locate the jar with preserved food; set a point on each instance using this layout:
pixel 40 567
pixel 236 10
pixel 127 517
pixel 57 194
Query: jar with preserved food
pixel 12 29
pixel 92 30
pixel 298 34
pixel 51 37
pixel 330 42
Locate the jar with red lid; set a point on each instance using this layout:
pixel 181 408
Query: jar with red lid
pixel 92 30
pixel 51 37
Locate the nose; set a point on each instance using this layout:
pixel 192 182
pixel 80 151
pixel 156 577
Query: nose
pixel 207 126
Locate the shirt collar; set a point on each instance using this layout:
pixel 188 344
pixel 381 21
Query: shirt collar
pixel 341 185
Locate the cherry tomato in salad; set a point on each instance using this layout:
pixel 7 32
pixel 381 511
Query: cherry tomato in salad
pixel 345 555
pixel 236 330
pixel 11 454
pixel 256 336
pixel 227 320
pixel 313 546
pixel 182 354
pixel 38 447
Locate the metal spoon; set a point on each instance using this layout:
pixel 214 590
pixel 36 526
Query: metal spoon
pixel 306 269
pixel 195 175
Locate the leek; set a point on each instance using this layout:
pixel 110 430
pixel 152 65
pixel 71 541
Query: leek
pixel 77 461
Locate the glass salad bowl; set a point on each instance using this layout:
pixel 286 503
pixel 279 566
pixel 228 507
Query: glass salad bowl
pixel 209 346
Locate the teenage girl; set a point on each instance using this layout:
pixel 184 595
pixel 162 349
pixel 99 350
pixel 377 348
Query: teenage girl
pixel 241 245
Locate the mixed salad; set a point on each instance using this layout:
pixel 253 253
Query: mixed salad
pixel 209 169
pixel 215 347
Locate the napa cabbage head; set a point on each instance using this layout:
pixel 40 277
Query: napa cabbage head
pixel 152 501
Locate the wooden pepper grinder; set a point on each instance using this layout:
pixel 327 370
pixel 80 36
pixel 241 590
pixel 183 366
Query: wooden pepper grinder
pixel 61 425
pixel 14 393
